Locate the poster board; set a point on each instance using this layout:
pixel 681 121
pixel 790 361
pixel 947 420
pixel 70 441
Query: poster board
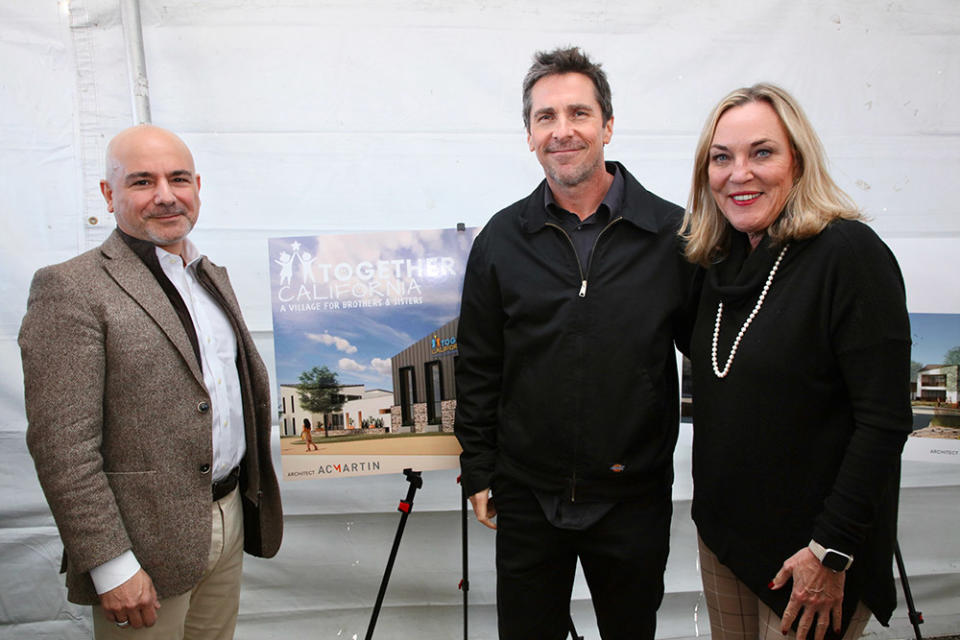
pixel 365 340
pixel 934 388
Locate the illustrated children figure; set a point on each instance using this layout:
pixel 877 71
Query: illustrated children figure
pixel 286 267
pixel 306 435
pixel 305 271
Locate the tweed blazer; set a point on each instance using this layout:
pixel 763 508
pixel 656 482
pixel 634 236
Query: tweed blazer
pixel 119 424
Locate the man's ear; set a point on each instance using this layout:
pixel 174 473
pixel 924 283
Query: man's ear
pixel 608 130
pixel 107 192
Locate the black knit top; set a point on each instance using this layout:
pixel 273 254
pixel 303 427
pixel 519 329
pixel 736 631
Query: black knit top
pixel 803 437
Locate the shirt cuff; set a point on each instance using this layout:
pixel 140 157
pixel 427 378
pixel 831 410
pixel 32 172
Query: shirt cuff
pixel 113 573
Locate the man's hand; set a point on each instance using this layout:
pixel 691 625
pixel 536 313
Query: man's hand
pixel 484 508
pixel 817 594
pixel 135 601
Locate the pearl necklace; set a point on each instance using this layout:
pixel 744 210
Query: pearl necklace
pixel 746 323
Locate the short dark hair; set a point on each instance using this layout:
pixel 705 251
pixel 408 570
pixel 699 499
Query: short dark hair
pixel 566 60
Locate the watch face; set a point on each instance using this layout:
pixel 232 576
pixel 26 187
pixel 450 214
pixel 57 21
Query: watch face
pixel 835 561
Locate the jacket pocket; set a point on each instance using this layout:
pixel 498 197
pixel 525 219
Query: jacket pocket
pixel 627 436
pixel 139 499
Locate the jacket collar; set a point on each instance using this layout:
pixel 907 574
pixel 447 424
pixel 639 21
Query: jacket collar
pixel 130 272
pixel 533 217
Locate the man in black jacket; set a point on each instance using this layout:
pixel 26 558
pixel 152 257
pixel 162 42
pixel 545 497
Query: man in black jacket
pixel 567 392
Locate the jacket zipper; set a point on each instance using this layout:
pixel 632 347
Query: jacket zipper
pixel 583 294
pixel 583 277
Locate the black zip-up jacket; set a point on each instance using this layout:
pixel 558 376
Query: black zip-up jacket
pixel 566 376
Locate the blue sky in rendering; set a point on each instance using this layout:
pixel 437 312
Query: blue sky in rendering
pixel 351 302
pixel 933 334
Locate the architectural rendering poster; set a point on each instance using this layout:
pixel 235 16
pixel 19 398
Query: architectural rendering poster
pixel 364 330
pixel 934 388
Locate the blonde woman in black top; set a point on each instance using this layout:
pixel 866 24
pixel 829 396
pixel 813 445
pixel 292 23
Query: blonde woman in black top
pixel 800 355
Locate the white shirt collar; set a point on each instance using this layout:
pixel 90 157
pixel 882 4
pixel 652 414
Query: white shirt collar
pixel 190 253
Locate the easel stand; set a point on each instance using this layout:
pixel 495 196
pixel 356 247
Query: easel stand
pixel 464 579
pixel 573 631
pixel 405 507
pixel 916 617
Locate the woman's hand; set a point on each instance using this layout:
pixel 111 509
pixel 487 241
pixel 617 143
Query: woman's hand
pixel 817 594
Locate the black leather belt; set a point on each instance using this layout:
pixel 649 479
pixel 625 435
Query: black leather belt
pixel 222 488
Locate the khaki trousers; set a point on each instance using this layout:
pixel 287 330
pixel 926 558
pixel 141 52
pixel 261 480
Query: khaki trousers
pixel 736 613
pixel 209 610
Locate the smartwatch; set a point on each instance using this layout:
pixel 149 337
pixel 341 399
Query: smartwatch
pixel 830 558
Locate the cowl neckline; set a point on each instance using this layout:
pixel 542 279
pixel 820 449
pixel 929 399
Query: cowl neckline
pixel 742 273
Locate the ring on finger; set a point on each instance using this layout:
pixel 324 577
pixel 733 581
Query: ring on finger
pixel 123 623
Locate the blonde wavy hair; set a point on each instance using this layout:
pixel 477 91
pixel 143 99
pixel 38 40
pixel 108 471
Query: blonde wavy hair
pixel 814 201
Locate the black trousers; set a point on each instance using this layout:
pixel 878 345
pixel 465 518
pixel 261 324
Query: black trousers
pixel 623 557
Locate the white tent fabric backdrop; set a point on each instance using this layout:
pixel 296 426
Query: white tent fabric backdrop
pixel 313 117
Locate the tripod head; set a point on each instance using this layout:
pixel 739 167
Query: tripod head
pixel 413 477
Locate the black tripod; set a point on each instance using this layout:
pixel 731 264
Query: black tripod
pixel 465 579
pixel 406 505
pixel 916 617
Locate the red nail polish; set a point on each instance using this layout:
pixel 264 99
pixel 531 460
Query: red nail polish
pixel 770 585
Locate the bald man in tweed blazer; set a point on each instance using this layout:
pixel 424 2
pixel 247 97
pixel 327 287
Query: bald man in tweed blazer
pixel 119 414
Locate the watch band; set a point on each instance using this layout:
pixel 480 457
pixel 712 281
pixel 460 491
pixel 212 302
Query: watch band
pixel 830 558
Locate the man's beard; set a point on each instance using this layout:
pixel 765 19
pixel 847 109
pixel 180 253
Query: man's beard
pixel 161 236
pixel 580 174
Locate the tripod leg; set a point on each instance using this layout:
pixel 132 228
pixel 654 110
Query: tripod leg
pixel 573 629
pixel 406 505
pixel 916 617
pixel 465 578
